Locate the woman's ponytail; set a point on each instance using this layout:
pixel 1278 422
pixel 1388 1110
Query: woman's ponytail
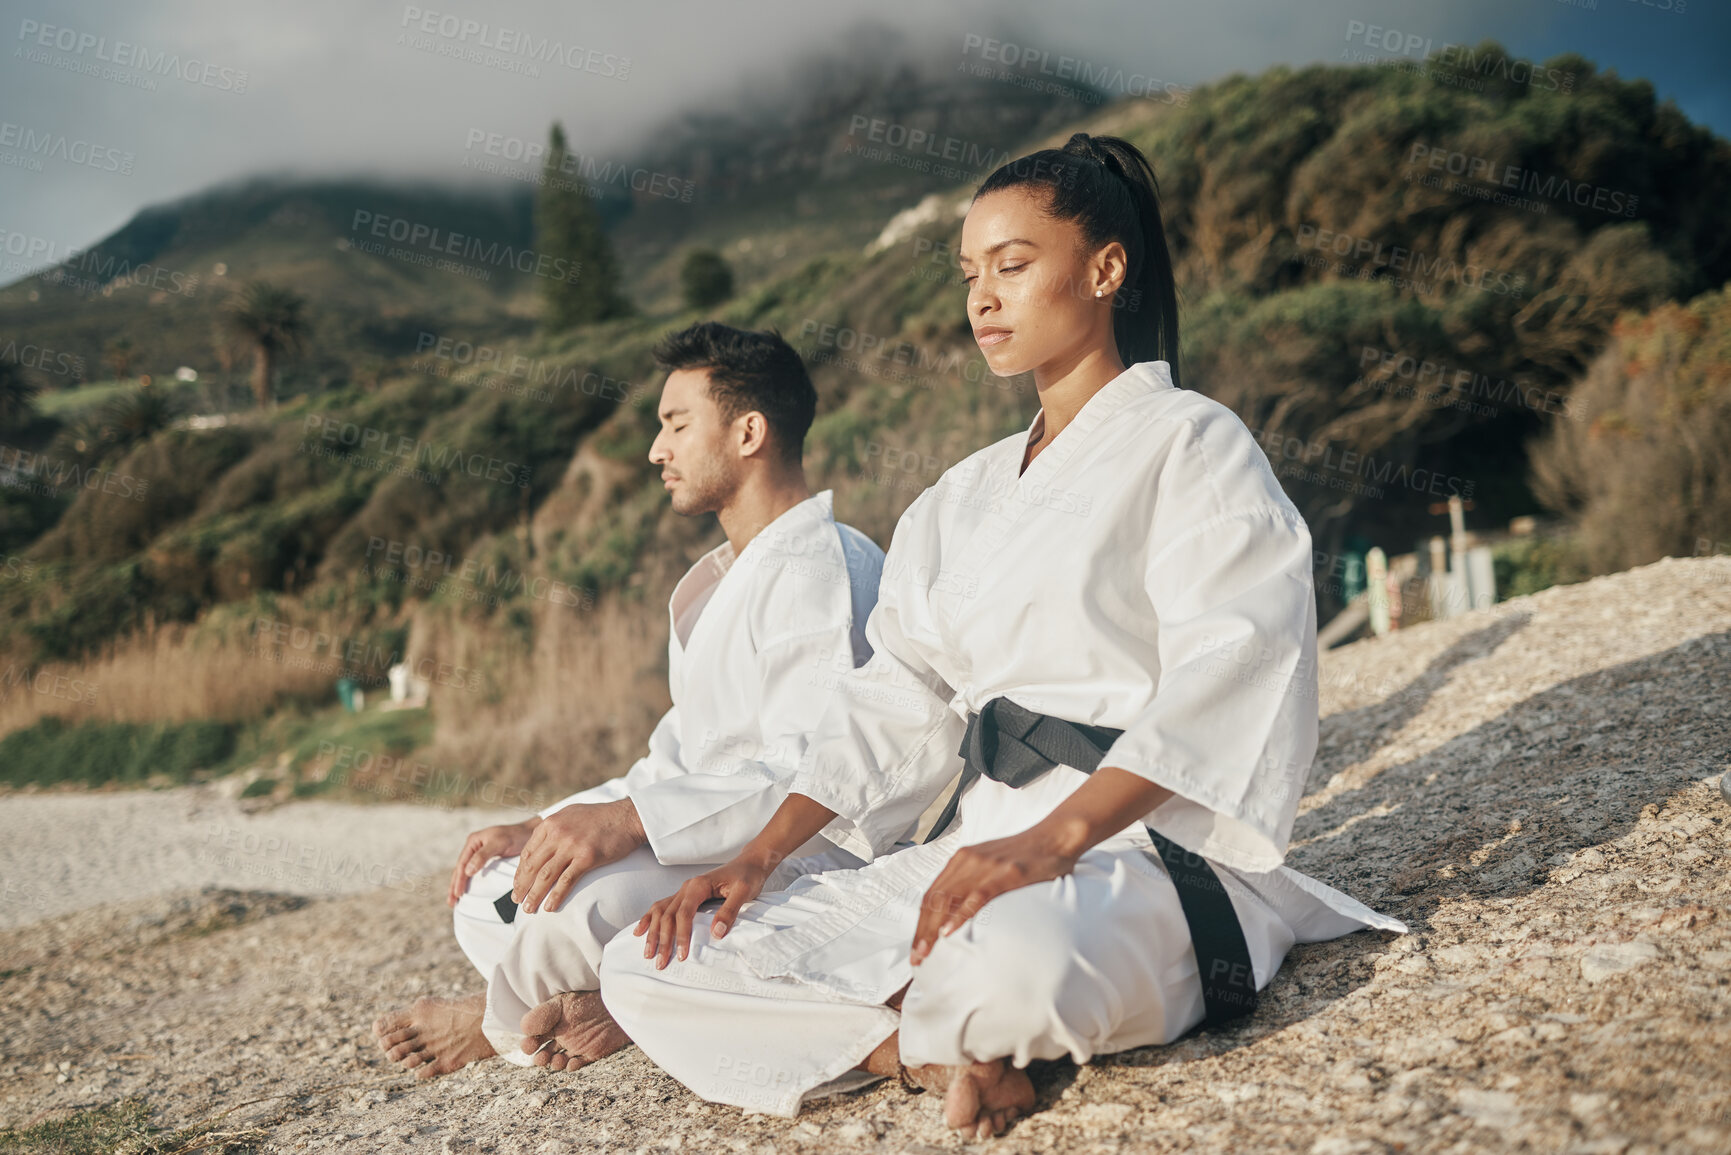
pixel 1107 187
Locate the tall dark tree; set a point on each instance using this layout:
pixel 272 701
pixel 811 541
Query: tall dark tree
pixel 705 278
pixel 568 228
pixel 272 320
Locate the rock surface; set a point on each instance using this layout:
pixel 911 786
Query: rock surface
pixel 1535 789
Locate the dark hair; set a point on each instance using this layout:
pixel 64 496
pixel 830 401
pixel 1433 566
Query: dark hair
pixel 748 371
pixel 1107 187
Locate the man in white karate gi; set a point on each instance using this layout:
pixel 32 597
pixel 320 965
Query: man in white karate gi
pixel 760 628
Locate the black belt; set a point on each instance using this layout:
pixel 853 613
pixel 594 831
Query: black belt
pixel 1013 745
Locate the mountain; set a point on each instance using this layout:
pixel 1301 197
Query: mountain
pixel 792 170
pixel 1392 333
pixel 160 281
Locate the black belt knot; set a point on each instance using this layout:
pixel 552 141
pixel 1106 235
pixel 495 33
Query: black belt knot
pixel 1014 745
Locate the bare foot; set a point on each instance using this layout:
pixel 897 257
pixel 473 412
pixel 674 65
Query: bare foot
pixel 435 1036
pixel 571 1030
pixel 980 1099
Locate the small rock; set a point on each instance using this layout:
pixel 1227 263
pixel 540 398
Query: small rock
pixel 1611 958
pixel 1345 1145
pixel 1229 1092
pixel 1107 1115
pixel 854 1131
pixel 1496 1109
pixel 1461 956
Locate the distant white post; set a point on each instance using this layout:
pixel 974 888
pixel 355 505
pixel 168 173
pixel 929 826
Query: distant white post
pixel 1376 588
pixel 1441 581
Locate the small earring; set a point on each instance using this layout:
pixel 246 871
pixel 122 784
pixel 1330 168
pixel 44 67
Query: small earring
pixel 1096 292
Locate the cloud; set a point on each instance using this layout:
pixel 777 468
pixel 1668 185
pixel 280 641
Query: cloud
pixel 343 87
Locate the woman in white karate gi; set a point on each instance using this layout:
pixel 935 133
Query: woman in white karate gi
pixel 1129 575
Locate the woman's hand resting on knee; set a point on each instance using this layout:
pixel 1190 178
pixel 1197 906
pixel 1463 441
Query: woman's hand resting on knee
pixel 1108 802
pixel 668 923
pixel 977 874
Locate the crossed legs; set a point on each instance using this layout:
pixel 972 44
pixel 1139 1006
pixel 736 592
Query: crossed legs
pixel 1095 962
pixel 540 1004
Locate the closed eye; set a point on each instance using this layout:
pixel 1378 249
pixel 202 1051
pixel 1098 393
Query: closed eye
pixel 968 280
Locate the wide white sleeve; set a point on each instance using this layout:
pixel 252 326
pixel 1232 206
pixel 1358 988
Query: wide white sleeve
pixel 886 746
pixel 726 796
pixel 1232 727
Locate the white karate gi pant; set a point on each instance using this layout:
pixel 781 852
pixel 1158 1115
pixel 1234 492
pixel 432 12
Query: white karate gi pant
pixel 536 956
pixel 1095 962
pixel 527 961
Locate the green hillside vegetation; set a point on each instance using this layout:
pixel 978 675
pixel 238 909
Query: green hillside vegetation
pixel 1511 307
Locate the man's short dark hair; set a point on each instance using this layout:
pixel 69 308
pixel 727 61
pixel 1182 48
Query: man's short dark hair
pixel 748 370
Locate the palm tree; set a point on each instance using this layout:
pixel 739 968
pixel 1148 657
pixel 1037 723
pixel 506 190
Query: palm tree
pixel 121 355
pixel 138 414
pixel 273 321
pixel 17 396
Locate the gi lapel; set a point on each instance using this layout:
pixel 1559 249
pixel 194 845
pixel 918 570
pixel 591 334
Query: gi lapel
pixel 701 580
pixel 1013 498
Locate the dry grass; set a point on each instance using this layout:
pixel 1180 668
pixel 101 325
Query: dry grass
pixel 548 698
pixel 173 673
pixel 1646 468
pixel 568 709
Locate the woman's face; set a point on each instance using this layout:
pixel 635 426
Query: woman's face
pixel 1031 284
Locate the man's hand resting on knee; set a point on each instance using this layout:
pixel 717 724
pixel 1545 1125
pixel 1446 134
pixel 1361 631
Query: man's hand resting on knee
pixel 571 843
pixel 484 846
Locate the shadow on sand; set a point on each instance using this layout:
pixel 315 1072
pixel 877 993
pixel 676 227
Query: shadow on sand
pixel 1486 815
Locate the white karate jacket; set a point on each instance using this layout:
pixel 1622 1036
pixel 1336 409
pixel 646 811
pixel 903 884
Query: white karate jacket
pixel 755 642
pixel 1146 573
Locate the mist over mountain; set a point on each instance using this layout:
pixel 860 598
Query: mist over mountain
pixel 803 163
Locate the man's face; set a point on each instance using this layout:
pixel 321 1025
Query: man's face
pixel 695 448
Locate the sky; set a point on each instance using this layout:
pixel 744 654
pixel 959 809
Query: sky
pixel 109 106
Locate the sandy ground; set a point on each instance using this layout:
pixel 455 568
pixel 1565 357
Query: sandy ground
pixel 63 852
pixel 1534 789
